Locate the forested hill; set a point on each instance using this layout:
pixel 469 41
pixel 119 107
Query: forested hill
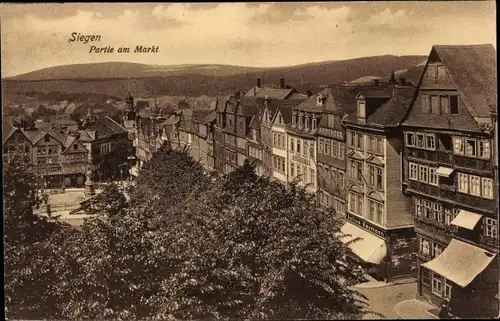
pixel 119 78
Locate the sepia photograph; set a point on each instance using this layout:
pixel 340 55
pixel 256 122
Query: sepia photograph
pixel 250 161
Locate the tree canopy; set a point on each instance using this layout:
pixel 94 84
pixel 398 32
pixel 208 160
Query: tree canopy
pixel 187 247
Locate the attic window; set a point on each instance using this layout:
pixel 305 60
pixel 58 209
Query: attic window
pixel 301 124
pixel 306 121
pixel 294 120
pixel 47 138
pixel 75 146
pixel 319 100
pixel 361 109
pixel 314 124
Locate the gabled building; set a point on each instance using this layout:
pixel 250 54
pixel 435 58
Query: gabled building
pixel 378 212
pixel 169 130
pixel 205 121
pixel 449 173
pixel 107 144
pixel 301 140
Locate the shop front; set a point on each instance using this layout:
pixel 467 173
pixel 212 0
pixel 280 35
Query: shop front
pixel 466 277
pixel 383 254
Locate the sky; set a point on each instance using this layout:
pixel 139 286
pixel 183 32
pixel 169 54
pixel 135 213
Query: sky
pixel 35 36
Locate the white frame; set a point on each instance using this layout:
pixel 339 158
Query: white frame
pixel 413 166
pixel 485 181
pixel 490 223
pixel 439 281
pixel 485 145
pixel 475 189
pixel 425 246
pixel 447 291
pixel 412 139
pixel 433 177
pixel 463 181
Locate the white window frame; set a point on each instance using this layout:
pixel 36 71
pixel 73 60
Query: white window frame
pixel 430 141
pixel 425 246
pixel 473 152
pixel 475 185
pixel 321 145
pixel 413 171
pixel 419 207
pixel 463 183
pixel 447 291
pixel 423 170
pixel 458 146
pixel 487 187
pixel 433 177
pixel 410 139
pixel 436 281
pixel 483 149
pixel 490 227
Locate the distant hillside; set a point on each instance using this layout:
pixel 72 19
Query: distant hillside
pixel 118 79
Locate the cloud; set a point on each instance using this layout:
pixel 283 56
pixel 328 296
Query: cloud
pixel 257 34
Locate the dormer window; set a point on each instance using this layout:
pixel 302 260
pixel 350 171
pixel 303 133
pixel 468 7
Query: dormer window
pixel 314 123
pixel 306 123
pixel 294 119
pixel 361 109
pixel 319 100
pixel 301 122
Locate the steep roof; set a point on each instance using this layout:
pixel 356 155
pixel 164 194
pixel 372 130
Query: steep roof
pixel 7 130
pixel 311 105
pixel 473 69
pixel 254 122
pixel 250 106
pixel 273 93
pixel 205 116
pixel 105 126
pixel 285 107
pixel 392 112
pixel 174 119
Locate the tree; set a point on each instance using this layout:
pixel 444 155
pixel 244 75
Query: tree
pixel 256 249
pixel 31 248
pixel 171 175
pixel 110 201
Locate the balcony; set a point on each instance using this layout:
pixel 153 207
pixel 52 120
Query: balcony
pixel 445 157
pixel 437 230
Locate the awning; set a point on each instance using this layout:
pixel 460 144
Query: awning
pixel 460 262
pixel 134 171
pixel 369 248
pixel 466 219
pixel 444 171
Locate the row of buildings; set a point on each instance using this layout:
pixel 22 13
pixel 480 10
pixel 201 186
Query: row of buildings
pixel 63 157
pixel 411 166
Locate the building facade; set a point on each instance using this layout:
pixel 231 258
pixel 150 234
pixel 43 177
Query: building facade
pixel 449 173
pixel 378 212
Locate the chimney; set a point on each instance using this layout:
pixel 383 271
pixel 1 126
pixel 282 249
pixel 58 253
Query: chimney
pixel 376 82
pixel 258 82
pixel 282 83
pixel 402 81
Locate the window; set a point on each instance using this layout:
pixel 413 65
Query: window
pixel 413 171
pixel 306 123
pixel 423 173
pixel 425 104
pixel 428 209
pixel 331 121
pixel 430 142
pixel 314 124
pixel 292 145
pixel 301 123
pixel 435 105
pixel 361 109
pixel 292 169
pixel 431 72
pixel 420 141
pixel 371 211
pixel 445 105
pixel 47 138
pixel 379 178
pixel 436 249
pixel 359 141
pixel 447 291
pixel 335 149
pixel 475 185
pixel 313 177
pixel 458 145
pixel 490 227
pixel 438 213
pixel 433 177
pixel 448 217
pixel 371 174
pixel 424 246
pixel 441 72
pixel 305 148
pixel 352 139
pixel 327 147
pixel 279 164
pixel 487 188
pixel 321 144
pixel 484 149
pixel 425 277
pixel 454 105
pixel 311 150
pixel 254 134
pixel 437 288
pixel 471 147
pixel 410 139
pixel 378 213
pixel 294 120
pixel 355 203
pixel 419 204
pixel 380 146
pixel 298 146
pixel 341 151
pixel 463 183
